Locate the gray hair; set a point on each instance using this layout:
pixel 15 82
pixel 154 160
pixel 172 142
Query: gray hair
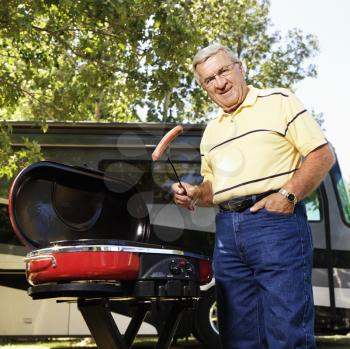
pixel 203 54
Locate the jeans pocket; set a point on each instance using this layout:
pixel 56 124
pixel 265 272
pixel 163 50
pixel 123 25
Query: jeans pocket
pixel 275 213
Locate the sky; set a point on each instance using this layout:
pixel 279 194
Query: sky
pixel 328 93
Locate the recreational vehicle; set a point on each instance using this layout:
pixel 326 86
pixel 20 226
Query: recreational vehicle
pixel 123 151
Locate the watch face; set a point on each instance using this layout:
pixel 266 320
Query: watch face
pixel 291 197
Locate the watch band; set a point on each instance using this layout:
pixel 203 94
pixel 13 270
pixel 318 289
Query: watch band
pixel 291 197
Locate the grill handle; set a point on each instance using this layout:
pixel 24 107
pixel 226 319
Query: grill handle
pixel 40 262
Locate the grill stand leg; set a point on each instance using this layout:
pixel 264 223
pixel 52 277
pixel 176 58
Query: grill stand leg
pixel 135 323
pixel 101 324
pixel 103 328
pixel 172 321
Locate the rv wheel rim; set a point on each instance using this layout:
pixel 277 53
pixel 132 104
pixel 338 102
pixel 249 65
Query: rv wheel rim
pixel 213 318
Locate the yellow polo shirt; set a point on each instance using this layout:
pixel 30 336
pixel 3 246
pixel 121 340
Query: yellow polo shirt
pixel 259 146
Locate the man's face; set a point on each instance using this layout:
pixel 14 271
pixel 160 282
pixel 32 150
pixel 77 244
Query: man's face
pixel 223 80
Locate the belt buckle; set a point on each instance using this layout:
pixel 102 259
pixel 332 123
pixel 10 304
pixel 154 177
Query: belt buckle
pixel 244 204
pixel 230 207
pixel 235 206
pixel 239 205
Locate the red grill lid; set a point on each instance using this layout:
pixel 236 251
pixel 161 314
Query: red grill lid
pixel 49 202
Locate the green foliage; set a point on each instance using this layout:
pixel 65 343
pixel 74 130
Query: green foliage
pixel 319 117
pixel 11 161
pixel 129 60
pixel 115 60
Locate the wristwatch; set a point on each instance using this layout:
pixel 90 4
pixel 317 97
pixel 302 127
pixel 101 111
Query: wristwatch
pixel 290 196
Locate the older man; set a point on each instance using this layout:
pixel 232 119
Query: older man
pixel 261 156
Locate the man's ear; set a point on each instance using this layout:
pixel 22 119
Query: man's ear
pixel 241 69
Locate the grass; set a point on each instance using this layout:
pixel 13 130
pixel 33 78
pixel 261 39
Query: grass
pixel 324 342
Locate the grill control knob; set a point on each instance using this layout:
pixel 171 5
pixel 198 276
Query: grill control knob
pixel 189 268
pixel 175 268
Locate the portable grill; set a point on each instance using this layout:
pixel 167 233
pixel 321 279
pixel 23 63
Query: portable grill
pixel 89 237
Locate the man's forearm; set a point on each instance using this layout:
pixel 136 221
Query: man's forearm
pixel 204 195
pixel 311 172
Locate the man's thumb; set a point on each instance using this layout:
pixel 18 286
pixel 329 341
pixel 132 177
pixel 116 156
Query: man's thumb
pixel 258 206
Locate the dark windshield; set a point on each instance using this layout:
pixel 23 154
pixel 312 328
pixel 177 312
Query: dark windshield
pixel 342 192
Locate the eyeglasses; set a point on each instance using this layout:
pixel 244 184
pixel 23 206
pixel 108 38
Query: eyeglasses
pixel 222 73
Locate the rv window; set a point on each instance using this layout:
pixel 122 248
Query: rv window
pixel 136 173
pixel 164 177
pixel 343 195
pixel 313 209
pixel 155 177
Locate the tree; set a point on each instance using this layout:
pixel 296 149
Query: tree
pixel 319 117
pixel 128 60
pixel 116 60
pixel 11 161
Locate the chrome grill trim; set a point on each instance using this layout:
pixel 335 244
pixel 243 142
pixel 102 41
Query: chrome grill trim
pixel 113 248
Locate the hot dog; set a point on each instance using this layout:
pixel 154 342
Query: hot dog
pixel 165 141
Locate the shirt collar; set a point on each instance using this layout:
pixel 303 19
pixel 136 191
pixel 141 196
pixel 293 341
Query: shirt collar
pixel 249 100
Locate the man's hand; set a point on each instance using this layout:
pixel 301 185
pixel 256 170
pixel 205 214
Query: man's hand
pixel 182 200
pixel 274 203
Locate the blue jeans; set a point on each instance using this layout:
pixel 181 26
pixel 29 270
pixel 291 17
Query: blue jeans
pixel 262 267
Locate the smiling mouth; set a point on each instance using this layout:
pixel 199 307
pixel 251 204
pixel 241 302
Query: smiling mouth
pixel 225 92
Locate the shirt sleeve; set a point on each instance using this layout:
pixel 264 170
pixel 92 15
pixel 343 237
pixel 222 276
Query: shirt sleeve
pixel 302 130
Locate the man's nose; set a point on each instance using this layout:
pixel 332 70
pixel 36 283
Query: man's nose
pixel 220 82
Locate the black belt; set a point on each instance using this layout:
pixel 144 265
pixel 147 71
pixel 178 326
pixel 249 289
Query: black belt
pixel 241 203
